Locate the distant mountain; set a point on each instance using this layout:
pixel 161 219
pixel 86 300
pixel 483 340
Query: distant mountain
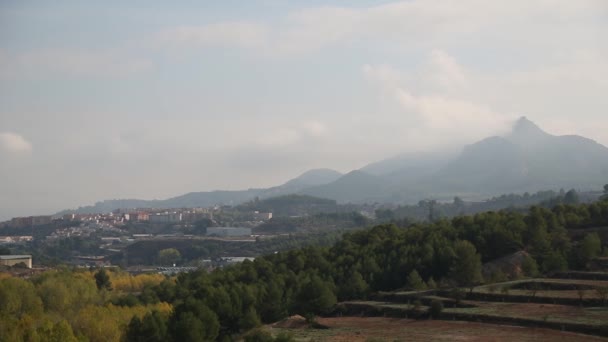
pixel 306 180
pixel 210 198
pixel 410 165
pixel 355 186
pixel 526 159
pixel 189 200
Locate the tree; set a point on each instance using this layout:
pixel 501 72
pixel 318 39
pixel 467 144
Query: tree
pixel 354 287
pixel 555 262
pixel 18 298
pixel 415 282
pixel 580 291
pixel 315 297
pixel 466 270
pixel 571 197
pixel 605 196
pixel 590 248
pixel 188 327
pixel 529 267
pixel 194 321
pixel 103 280
pixel 169 256
pixel 134 330
pixel 153 328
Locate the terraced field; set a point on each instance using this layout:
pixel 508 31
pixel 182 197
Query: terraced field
pixel 540 309
pixel 361 329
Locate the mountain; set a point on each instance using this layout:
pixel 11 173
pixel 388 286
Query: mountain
pixel 526 159
pixel 210 198
pixel 410 166
pixel 308 179
pixel 189 200
pixel 355 186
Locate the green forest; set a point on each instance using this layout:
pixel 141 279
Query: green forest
pixel 230 303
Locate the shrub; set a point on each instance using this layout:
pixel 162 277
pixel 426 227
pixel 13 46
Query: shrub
pixel 435 309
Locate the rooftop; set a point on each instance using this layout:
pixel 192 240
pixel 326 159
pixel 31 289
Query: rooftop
pixel 10 257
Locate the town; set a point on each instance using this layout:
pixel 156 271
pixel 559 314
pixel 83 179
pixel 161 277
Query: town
pixel 110 233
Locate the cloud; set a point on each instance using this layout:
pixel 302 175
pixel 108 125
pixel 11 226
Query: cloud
pixel 230 34
pixel 14 143
pixel 432 113
pixel 404 24
pixel 448 72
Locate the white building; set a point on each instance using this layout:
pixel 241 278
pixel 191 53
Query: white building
pixel 12 260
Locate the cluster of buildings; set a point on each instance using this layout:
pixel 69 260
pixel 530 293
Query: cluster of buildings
pixel 176 216
pixel 15 239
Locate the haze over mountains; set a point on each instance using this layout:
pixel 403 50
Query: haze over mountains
pixel 526 159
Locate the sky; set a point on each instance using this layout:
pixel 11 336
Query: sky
pixel 153 99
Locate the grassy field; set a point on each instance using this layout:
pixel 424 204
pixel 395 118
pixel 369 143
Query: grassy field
pixel 394 329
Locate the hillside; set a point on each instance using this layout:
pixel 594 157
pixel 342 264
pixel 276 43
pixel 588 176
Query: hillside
pixel 355 186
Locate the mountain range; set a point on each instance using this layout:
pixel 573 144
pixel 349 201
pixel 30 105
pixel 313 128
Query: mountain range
pixel 526 159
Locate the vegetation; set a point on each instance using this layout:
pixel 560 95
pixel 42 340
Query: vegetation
pixel 71 305
pixel 308 281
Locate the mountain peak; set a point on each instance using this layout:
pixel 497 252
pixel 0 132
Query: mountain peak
pixel 526 131
pixel 525 125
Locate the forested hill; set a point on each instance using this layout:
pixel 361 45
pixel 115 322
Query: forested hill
pixel 311 280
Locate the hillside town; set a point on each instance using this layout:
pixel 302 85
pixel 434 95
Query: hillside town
pixel 110 233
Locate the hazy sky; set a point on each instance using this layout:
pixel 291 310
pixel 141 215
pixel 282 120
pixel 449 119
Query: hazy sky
pixel 152 99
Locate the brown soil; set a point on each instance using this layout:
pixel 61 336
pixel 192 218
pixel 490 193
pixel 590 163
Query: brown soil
pixel 393 329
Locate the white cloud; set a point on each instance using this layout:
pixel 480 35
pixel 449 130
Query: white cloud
pixel 237 34
pixel 432 114
pixel 14 143
pixel 404 25
pixel 448 72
